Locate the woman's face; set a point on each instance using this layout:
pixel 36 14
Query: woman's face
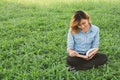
pixel 83 24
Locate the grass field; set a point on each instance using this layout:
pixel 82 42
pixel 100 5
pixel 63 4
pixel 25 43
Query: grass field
pixel 33 36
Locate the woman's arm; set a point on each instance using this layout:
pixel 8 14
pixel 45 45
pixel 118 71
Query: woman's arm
pixel 70 41
pixel 73 53
pixel 95 44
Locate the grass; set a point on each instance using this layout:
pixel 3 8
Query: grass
pixel 33 37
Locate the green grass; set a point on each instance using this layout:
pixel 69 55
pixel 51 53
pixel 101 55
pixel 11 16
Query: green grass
pixel 33 36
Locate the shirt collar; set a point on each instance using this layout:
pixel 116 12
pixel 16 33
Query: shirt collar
pixel 91 28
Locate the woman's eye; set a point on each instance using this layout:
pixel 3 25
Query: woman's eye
pixel 83 23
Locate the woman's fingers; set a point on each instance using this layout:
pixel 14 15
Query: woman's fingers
pixel 73 54
pixel 90 57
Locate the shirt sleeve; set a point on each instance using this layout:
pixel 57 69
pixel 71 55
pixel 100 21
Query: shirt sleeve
pixel 70 41
pixel 96 40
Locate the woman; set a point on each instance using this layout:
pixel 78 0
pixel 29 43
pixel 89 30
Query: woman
pixel 83 36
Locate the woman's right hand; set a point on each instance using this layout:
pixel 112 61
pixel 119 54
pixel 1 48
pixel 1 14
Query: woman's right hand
pixel 73 53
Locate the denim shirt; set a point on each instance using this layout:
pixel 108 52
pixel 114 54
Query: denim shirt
pixel 82 42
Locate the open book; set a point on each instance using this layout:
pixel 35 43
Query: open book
pixel 90 51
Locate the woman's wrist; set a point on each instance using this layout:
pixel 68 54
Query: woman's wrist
pixel 70 51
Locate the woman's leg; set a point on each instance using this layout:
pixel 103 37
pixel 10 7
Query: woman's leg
pixel 99 59
pixel 81 64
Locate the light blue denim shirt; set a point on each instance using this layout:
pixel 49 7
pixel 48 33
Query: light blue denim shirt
pixel 82 42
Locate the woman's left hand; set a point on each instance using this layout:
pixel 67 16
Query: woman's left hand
pixel 90 56
pixel 92 53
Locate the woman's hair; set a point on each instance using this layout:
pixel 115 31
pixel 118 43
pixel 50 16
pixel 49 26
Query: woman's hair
pixel 76 18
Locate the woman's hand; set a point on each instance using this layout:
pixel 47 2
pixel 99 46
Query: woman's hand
pixel 90 56
pixel 73 53
pixel 92 53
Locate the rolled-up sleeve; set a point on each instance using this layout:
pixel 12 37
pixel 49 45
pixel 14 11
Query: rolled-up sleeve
pixel 70 41
pixel 96 40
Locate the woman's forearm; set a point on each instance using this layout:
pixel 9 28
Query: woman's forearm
pixel 71 51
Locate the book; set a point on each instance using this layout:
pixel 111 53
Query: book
pixel 90 51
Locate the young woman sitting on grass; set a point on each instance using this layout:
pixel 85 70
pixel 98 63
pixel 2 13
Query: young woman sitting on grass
pixel 83 37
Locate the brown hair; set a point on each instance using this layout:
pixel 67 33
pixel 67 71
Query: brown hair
pixel 76 18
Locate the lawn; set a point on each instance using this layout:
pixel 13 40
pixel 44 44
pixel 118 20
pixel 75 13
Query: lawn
pixel 33 36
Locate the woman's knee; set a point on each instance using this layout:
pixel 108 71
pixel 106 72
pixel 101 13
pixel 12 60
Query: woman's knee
pixel 104 57
pixel 73 61
pixel 101 59
pixel 69 60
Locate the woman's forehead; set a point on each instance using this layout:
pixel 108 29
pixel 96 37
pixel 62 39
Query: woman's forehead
pixel 83 20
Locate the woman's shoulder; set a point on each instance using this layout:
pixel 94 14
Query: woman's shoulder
pixel 70 30
pixel 94 27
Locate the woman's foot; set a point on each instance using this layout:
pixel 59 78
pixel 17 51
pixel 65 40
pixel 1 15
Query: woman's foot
pixel 71 68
